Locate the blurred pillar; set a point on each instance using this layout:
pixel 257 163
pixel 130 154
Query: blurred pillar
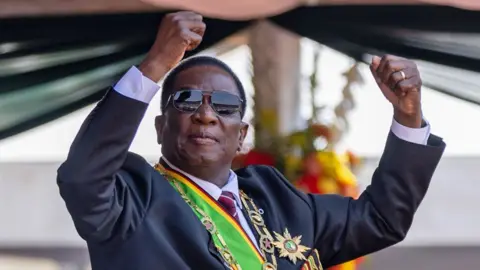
pixel 276 80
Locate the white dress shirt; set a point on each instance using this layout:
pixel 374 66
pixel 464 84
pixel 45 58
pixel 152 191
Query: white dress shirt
pixel 136 86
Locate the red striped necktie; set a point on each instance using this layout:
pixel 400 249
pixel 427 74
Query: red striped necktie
pixel 227 200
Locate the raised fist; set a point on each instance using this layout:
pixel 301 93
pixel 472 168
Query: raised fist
pixel 400 82
pixel 178 32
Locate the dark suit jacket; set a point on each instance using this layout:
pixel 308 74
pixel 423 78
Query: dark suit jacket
pixel 132 219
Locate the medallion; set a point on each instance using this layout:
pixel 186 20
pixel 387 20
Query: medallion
pixel 268 266
pixel 209 225
pixel 290 247
pixel 227 256
pixel 256 218
pixel 266 243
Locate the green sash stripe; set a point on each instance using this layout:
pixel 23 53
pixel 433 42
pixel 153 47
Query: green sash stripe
pixel 239 244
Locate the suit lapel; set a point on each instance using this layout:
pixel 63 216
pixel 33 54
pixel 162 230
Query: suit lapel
pixel 196 222
pixel 254 189
pixel 263 198
pixel 213 250
pixel 250 224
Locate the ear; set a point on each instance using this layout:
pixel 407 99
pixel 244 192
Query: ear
pixel 242 135
pixel 159 124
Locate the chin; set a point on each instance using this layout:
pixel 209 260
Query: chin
pixel 203 158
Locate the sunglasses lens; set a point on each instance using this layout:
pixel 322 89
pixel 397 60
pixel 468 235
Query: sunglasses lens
pixel 225 103
pixel 222 102
pixel 187 100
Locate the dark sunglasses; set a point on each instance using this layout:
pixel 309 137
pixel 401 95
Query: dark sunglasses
pixel 189 100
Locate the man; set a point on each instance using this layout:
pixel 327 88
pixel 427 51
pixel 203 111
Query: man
pixel 190 211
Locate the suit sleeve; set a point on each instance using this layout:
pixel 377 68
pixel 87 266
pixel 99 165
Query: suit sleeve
pixel 347 229
pixel 104 201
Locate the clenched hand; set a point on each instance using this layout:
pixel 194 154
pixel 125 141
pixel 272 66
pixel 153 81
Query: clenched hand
pixel 399 80
pixel 178 33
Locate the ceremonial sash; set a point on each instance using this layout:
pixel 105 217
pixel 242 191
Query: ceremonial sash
pixel 230 239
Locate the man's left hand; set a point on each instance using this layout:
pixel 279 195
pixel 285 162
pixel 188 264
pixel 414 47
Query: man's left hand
pixel 400 82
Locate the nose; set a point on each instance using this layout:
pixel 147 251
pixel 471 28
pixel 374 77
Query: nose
pixel 205 115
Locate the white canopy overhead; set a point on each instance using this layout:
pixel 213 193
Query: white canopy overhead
pixel 250 9
pixel 224 9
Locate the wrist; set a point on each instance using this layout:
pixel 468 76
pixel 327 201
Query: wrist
pixel 414 120
pixel 153 69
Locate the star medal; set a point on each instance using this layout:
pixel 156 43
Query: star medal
pixel 290 247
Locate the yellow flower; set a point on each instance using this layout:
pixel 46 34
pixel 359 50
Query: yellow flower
pixel 327 185
pixel 345 176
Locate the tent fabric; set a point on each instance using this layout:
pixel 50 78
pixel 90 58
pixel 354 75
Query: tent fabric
pixel 51 66
pixel 225 9
pixel 251 9
pixel 449 53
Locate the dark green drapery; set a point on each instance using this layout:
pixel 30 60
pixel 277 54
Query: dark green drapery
pixel 51 66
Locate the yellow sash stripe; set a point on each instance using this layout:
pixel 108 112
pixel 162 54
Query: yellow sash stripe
pixel 214 204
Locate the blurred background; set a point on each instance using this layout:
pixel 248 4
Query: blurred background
pixel 314 107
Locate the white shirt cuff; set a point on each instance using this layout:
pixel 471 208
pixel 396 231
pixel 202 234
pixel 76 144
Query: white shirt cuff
pixel 136 86
pixel 413 135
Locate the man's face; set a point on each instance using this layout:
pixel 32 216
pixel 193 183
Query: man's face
pixel 203 137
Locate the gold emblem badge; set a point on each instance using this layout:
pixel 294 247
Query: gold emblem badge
pixel 290 247
pixel 209 225
pixel 268 266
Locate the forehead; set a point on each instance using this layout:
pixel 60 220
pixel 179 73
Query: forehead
pixel 205 77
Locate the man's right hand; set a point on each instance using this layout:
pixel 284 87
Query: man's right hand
pixel 178 32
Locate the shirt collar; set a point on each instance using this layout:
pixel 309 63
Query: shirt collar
pixel 212 189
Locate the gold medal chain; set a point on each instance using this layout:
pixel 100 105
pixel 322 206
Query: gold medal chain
pixel 210 226
pixel 266 239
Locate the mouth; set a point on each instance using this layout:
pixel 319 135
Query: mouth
pixel 203 138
